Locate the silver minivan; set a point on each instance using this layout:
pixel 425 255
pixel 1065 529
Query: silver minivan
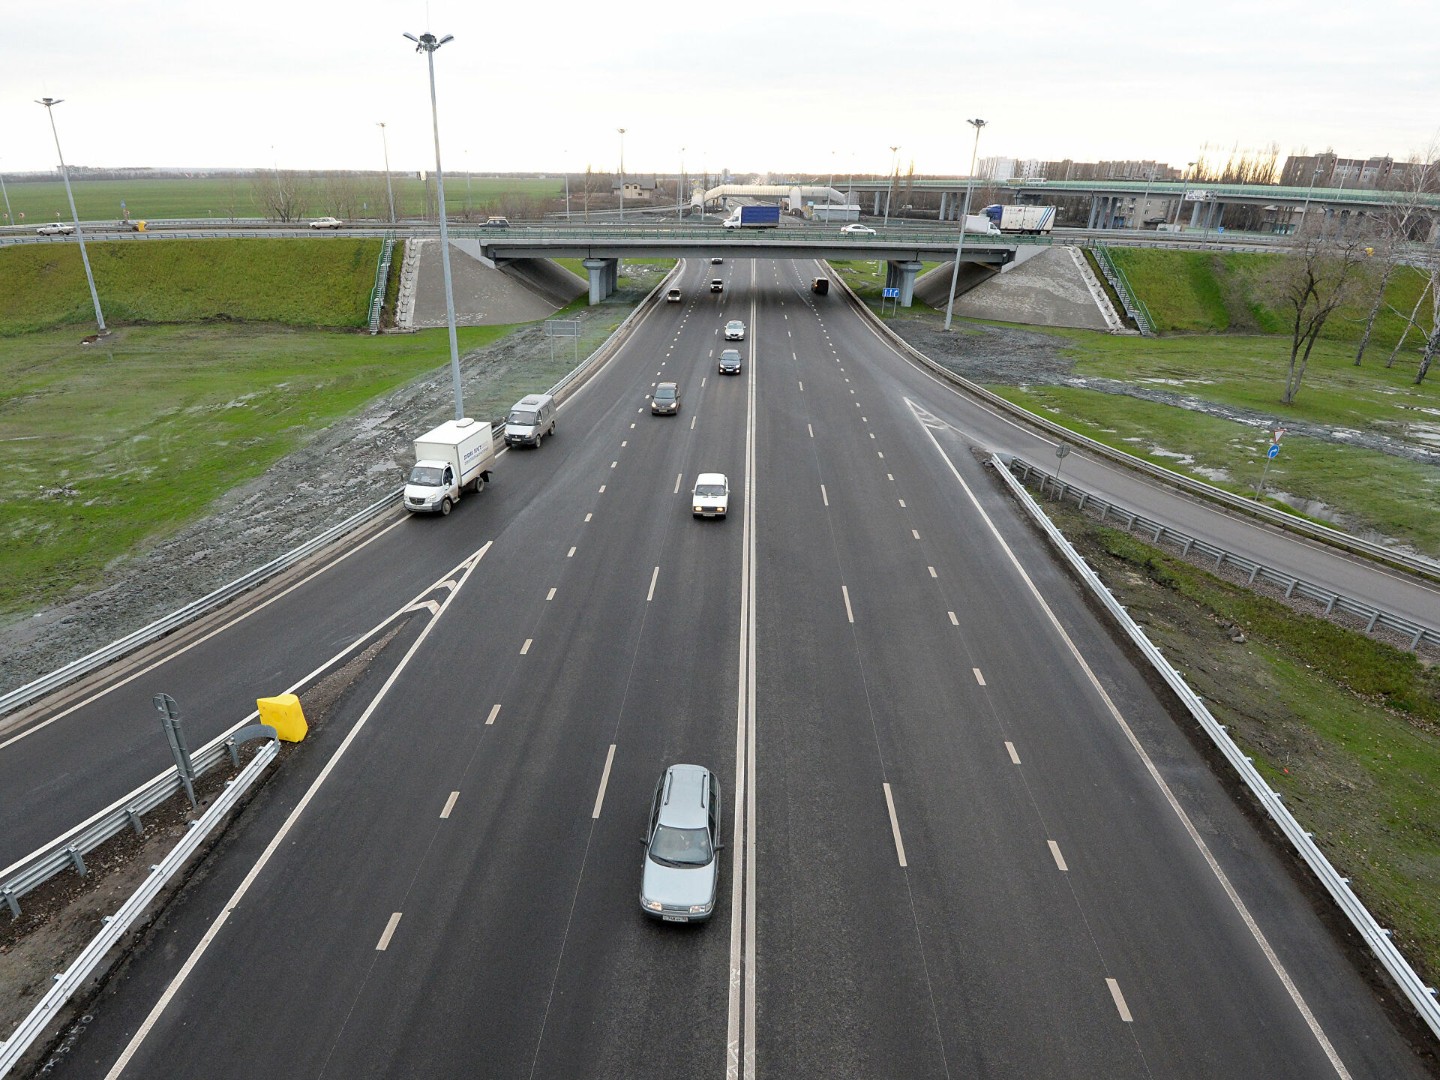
pixel 682 846
pixel 530 419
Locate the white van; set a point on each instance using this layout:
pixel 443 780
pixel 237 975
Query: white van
pixel 531 418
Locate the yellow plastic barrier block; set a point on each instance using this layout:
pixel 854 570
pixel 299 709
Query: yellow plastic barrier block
pixel 284 714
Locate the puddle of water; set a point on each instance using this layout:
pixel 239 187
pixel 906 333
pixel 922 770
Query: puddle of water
pixel 1183 459
pixel 1217 475
pixel 1180 382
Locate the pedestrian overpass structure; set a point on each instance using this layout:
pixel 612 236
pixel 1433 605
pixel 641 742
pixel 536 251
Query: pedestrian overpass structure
pixel 601 247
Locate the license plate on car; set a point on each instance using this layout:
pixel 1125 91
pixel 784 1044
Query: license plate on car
pixel 673 918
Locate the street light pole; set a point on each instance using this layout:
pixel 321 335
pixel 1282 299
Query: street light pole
pixel 428 43
pixel 9 217
pixel 622 174
pixel 964 216
pixel 50 104
pixel 1185 189
pixel 680 191
pixel 1308 192
pixel 389 188
pixel 890 187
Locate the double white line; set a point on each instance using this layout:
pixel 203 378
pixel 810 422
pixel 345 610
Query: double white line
pixel 740 1035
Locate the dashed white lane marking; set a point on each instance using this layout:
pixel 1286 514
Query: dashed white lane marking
pixel 678 478
pixel 551 594
pixel 493 714
pixel 979 677
pixel 915 533
pixel 632 425
pixel 692 422
pixel 888 476
pixel 895 826
pixel 872 434
pixel 824 496
pixel 449 805
pixel 654 577
pixel 932 572
pixel 953 620
pixel 1014 754
pixel 389 932
pixel 902 504
pixel 811 430
pixel 526 647
pixel 845 592
pixel 801 384
pixel 604 780
pixel 880 452
pixel 613 464
pixel 570 554
pixel 624 443
pixel 1059 859
pixel 1120 1005
pixel 602 489
pixel 589 516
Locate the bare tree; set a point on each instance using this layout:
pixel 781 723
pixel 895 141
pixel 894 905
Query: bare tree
pixel 1432 335
pixel 1396 223
pixel 1321 274
pixel 280 195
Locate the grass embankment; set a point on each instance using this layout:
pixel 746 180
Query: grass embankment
pixel 221 199
pixel 1347 728
pixel 300 282
pixel 107 448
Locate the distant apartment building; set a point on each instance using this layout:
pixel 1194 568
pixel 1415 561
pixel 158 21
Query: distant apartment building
pixel 1332 171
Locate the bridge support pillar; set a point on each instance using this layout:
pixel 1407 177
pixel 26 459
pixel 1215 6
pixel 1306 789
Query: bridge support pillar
pixel 906 273
pixel 944 195
pixel 603 277
pixel 1094 208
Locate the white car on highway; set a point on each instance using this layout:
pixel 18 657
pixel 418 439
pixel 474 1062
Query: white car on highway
pixel 734 330
pixel 858 230
pixel 711 497
pixel 326 223
pixel 56 228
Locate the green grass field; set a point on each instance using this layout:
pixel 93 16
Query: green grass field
pixel 301 282
pixel 221 199
pixel 106 448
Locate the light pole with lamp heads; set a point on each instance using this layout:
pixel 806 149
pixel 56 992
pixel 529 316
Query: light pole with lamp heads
pixel 622 173
pixel 964 216
pixel 50 104
pixel 428 43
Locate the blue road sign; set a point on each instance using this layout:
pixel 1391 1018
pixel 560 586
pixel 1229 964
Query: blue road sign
pixel 1273 452
pixel 892 294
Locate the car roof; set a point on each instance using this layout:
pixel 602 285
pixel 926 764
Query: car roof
pixel 712 478
pixel 664 385
pixel 533 399
pixel 729 352
pixel 687 796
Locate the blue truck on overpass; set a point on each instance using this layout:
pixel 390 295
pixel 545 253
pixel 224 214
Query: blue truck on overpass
pixel 746 217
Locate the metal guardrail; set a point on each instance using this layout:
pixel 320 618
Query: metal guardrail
pixel 1373 617
pixel 68 851
pixel 1415 564
pixel 178 618
pixel 1420 996
pixel 115 926
pixel 1134 306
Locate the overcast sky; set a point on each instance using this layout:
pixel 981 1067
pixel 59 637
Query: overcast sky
pixel 787 87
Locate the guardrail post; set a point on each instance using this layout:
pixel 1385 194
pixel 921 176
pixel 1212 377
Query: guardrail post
pixel 76 859
pixel 11 902
pixel 135 823
pixel 234 752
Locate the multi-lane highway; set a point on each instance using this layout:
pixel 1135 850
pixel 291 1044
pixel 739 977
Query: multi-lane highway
pixel 963 836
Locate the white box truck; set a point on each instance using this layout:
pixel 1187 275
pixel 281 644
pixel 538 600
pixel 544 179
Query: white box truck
pixel 454 456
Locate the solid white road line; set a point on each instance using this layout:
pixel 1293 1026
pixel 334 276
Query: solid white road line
pixel 389 932
pixel 1059 859
pixel 1120 1005
pixel 1014 754
pixel 279 838
pixel 979 676
pixel 895 826
pixel 654 577
pixel 449 805
pixel 604 780
pixel 526 647
pixel 1258 935
pixel 493 714
pixel 845 592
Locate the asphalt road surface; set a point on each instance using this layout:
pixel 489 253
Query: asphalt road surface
pixel 963 837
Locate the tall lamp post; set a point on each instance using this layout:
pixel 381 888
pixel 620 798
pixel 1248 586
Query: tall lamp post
pixel 964 217
pixel 1308 192
pixel 9 217
pixel 389 189
pixel 50 104
pixel 428 43
pixel 1185 189
pixel 890 187
pixel 680 190
pixel 622 173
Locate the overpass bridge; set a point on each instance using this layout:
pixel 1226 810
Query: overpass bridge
pixel 601 247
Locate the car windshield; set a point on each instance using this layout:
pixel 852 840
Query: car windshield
pixel 709 491
pixel 664 393
pixel 425 476
pixel 681 847
pixel 520 416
